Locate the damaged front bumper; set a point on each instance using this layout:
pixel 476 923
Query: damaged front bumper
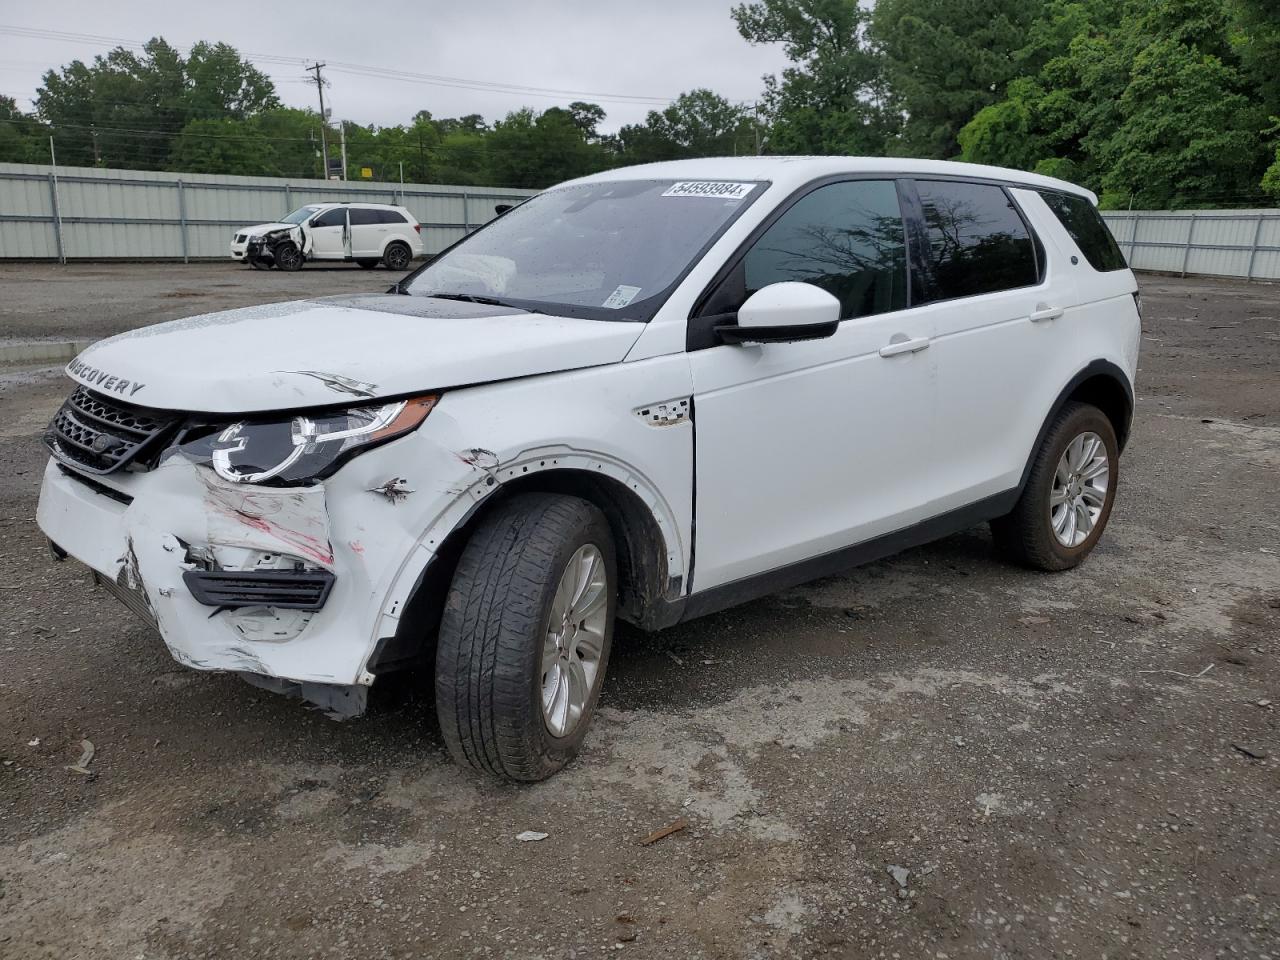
pixel 189 551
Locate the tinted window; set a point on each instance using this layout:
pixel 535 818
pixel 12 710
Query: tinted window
pixel 391 216
pixel 978 242
pixel 846 238
pixel 362 216
pixel 331 218
pixel 1087 229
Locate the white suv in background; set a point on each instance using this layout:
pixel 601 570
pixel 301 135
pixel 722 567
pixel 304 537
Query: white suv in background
pixel 652 393
pixel 367 233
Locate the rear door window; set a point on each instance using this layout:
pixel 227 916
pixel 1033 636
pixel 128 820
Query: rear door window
pixel 978 242
pixel 1087 228
pixel 363 217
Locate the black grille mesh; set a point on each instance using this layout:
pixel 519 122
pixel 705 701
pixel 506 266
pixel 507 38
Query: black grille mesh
pixel 99 434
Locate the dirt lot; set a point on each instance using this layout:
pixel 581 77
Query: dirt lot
pixel 1031 749
pixel 90 300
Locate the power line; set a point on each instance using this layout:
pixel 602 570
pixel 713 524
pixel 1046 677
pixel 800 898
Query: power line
pixel 357 69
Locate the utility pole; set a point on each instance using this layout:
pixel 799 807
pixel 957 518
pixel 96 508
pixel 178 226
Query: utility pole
pixel 315 68
pixel 343 125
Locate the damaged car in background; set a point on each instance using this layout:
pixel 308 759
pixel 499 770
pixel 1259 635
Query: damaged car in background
pixel 648 394
pixel 363 233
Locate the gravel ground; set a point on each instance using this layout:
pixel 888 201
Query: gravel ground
pixel 91 300
pixel 1042 760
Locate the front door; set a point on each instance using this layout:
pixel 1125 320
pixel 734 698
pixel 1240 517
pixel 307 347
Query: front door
pixel 329 234
pixel 805 448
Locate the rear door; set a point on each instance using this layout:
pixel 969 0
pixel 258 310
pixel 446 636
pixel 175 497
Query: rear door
pixel 329 234
pixel 368 231
pixel 998 295
pixel 806 448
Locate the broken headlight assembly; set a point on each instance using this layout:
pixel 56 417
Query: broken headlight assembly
pixel 309 446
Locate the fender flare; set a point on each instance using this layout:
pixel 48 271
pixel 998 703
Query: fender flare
pixel 1095 368
pixel 490 478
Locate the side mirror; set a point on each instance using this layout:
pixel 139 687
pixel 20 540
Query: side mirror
pixel 784 313
pixel 500 208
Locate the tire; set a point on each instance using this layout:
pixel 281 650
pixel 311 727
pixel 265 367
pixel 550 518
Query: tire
pixel 494 657
pixel 367 264
pixel 1036 532
pixel 288 256
pixel 397 256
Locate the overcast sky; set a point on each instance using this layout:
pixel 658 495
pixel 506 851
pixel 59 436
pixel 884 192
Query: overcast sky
pixel 652 49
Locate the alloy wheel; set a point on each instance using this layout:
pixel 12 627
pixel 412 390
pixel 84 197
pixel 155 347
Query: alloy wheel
pixel 574 643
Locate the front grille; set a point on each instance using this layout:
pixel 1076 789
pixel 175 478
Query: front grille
pixel 99 434
pixel 287 589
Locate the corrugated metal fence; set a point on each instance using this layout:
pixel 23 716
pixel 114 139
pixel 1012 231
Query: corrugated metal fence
pixel 84 212
pixel 1216 243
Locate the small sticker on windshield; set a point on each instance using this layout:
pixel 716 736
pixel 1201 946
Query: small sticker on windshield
pixel 717 189
pixel 620 297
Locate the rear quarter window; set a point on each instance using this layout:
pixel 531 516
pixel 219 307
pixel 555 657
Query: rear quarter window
pixel 1087 228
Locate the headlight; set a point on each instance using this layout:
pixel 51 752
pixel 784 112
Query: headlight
pixel 308 447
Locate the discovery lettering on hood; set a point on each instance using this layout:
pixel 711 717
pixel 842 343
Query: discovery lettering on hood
pixel 93 377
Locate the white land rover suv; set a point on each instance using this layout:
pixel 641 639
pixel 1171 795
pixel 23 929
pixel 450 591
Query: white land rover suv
pixel 651 393
pixel 368 233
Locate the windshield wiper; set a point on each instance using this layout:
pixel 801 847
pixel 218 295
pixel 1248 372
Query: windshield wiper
pixel 487 301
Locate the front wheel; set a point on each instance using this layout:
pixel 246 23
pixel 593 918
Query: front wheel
pixel 288 256
pixel 1069 493
pixel 525 636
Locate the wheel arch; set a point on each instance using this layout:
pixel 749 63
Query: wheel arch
pixel 396 238
pixel 648 592
pixel 1102 384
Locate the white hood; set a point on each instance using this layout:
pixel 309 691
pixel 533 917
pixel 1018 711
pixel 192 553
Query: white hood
pixel 321 352
pixel 261 228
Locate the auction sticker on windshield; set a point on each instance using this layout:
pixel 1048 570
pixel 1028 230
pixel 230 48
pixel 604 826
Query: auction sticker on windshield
pixel 718 189
pixel 621 297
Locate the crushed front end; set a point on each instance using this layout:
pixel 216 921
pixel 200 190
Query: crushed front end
pixel 280 583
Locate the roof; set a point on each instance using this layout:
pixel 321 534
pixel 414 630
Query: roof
pixel 793 172
pixel 353 203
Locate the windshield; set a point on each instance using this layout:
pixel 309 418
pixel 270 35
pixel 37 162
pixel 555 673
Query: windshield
pixel 608 250
pixel 299 215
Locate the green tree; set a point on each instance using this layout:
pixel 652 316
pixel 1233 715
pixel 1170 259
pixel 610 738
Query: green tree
pixel 528 149
pixel 947 59
pixel 835 98
pixel 126 108
pixel 22 138
pixel 274 143
pixel 1149 101
pixel 699 123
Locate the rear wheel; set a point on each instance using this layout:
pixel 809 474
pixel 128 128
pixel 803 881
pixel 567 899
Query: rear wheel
pixel 1069 493
pixel 397 256
pixel 525 636
pixel 288 256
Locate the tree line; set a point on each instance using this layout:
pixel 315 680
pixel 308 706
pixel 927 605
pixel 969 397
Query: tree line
pixel 1151 103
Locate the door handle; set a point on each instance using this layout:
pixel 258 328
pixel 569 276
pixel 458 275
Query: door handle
pixel 1043 312
pixel 896 347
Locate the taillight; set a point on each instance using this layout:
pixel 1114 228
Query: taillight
pixel 1137 301
pixel 417 228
